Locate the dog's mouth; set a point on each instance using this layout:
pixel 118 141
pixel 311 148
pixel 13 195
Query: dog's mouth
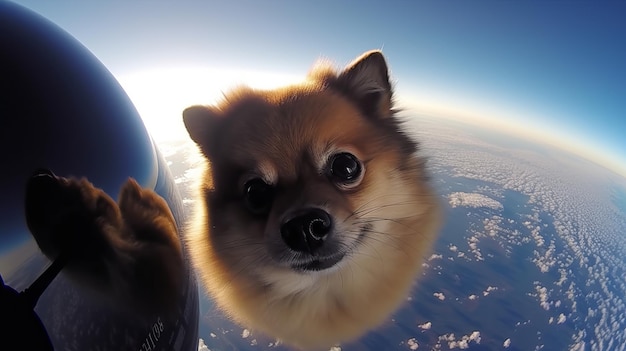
pixel 318 264
pixel 322 263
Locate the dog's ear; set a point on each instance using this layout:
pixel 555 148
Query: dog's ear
pixel 199 121
pixel 366 81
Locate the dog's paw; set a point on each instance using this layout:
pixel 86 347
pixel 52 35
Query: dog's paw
pixel 148 216
pixel 159 269
pixel 71 216
pixel 129 252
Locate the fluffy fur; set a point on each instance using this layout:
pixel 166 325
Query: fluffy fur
pixel 383 224
pixel 128 252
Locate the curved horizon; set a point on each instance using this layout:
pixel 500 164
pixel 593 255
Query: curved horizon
pixel 554 68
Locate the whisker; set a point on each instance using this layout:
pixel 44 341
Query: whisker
pixel 401 246
pixel 256 261
pixel 392 220
pixel 366 211
pixel 367 203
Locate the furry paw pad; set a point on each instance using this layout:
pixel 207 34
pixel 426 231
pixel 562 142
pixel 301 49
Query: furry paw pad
pixel 69 216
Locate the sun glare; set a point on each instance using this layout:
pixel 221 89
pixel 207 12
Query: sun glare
pixel 161 94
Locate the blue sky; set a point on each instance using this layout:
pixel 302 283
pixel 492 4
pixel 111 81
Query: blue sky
pixel 556 69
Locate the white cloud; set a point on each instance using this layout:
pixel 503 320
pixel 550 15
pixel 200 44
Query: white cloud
pixel 561 319
pixel 426 325
pixel 439 295
pixel 202 346
pixel 245 333
pixel 506 343
pixel 413 345
pixel 489 290
pixel 473 200
pixel 461 343
pixel 542 294
pixel 475 336
pixel 435 257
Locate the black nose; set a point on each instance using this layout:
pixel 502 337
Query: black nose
pixel 307 230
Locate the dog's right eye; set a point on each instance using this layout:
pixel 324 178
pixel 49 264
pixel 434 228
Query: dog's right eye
pixel 258 196
pixel 346 170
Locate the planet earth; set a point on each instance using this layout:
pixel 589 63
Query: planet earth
pixel 531 255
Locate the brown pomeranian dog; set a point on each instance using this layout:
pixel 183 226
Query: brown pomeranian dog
pixel 315 213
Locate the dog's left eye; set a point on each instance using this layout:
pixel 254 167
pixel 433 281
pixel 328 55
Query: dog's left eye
pixel 345 168
pixel 258 196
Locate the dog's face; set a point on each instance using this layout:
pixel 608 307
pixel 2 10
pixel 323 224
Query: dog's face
pixel 315 212
pixel 305 178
